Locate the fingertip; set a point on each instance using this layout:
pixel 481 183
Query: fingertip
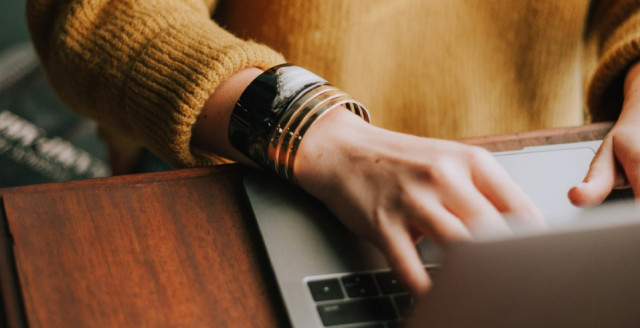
pixel 407 265
pixel 423 286
pixel 599 180
pixel 575 195
pixel 588 194
pixel 412 276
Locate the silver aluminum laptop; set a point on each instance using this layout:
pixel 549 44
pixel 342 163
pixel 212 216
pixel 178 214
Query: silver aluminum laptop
pixel 314 257
pixel 583 276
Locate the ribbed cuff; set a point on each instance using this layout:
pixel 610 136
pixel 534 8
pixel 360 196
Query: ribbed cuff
pixel 175 74
pixel 605 92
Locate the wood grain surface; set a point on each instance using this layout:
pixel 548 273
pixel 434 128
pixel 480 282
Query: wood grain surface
pixel 514 141
pixel 168 249
pixel 176 252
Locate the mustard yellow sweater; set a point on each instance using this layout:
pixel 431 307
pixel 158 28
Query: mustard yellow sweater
pixel 440 68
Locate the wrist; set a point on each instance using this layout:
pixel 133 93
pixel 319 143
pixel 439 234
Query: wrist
pixel 210 129
pixel 275 111
pixel 330 147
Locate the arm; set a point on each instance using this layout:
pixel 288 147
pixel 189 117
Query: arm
pixel 617 162
pixel 395 188
pixel 142 69
pixel 614 94
pixel 390 187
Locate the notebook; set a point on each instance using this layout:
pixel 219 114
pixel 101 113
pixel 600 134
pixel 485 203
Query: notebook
pixel 329 277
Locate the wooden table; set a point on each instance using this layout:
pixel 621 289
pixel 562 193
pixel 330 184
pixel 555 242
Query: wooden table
pixel 176 248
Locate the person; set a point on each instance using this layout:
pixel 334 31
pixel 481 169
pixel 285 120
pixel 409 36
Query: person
pixel 168 75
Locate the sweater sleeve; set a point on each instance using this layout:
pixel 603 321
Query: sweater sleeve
pixel 143 69
pixel 613 35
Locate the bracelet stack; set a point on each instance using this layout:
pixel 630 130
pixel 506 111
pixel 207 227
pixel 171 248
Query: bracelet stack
pixel 277 108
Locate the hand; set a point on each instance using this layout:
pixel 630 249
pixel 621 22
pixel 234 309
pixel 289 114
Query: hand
pixel 617 162
pixel 394 188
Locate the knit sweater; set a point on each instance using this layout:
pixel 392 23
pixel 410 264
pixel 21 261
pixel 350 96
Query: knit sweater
pixel 456 68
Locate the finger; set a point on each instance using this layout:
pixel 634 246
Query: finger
pixel 404 260
pixel 500 189
pixel 476 212
pixel 600 178
pixel 440 225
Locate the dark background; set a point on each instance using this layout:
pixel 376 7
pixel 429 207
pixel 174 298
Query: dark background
pixel 13 28
pixel 41 139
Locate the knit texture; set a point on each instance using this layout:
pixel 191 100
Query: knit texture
pixel 144 69
pixel 447 69
pixel 614 36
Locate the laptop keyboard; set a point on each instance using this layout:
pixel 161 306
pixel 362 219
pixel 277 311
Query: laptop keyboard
pixel 364 300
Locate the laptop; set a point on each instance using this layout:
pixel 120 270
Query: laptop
pixel 329 277
pixel 583 276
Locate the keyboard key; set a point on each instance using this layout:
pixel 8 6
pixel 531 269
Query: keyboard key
pixel 360 285
pixel 326 290
pixel 388 283
pixel 404 304
pixel 363 310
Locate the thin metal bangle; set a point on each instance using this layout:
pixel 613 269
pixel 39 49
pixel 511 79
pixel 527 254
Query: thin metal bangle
pixel 295 122
pixel 275 151
pixel 285 122
pixel 297 139
pixel 295 134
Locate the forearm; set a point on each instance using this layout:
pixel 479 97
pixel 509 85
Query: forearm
pixel 142 68
pixel 210 132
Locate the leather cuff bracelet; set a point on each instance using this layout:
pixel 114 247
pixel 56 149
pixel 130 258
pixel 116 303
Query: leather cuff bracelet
pixel 263 103
pixel 272 114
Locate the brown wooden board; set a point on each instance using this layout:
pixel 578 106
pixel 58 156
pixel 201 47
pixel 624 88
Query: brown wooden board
pixel 12 312
pixel 514 141
pixel 174 252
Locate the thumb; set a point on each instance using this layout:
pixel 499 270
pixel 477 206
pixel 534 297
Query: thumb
pixel 600 178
